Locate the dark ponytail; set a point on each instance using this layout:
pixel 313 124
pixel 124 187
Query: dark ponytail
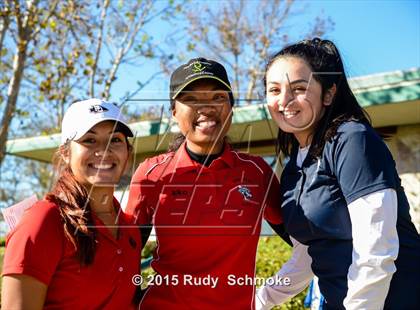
pixel 325 61
pixel 179 138
pixel 176 142
pixel 73 201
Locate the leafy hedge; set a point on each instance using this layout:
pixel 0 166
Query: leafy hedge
pixel 272 253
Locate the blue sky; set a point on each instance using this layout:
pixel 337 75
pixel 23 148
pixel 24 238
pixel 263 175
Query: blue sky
pixel 373 36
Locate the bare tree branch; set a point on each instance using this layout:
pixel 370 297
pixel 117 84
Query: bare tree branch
pixel 141 86
pixel 4 25
pixel 51 11
pixel 24 31
pixel 241 34
pixel 51 42
pixel 98 48
pixel 126 44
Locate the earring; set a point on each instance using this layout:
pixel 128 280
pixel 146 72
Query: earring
pixel 328 98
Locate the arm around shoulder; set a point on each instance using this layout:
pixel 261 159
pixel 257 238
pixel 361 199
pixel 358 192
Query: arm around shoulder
pixel 142 195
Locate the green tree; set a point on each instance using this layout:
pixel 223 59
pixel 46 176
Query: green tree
pixel 23 21
pixel 63 51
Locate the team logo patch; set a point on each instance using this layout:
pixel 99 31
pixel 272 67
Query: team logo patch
pixel 198 67
pixel 245 192
pixel 97 109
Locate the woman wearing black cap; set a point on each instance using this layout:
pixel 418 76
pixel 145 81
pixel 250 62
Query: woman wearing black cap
pixel 205 201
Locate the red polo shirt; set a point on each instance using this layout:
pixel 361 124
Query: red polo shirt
pixel 207 221
pixel 39 248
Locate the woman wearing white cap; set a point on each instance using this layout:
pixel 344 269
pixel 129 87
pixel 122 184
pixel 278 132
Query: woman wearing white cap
pixel 71 250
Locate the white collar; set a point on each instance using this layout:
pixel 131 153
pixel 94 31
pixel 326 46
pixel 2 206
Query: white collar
pixel 301 155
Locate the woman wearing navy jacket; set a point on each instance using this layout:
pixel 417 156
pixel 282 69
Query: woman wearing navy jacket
pixel 343 204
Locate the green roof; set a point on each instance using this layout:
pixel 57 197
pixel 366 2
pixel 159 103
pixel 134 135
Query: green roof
pixel 384 90
pixel 391 87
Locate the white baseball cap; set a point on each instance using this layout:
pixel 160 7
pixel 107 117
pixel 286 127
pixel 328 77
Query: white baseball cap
pixel 81 116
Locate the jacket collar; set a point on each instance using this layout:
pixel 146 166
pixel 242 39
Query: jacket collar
pixel 183 163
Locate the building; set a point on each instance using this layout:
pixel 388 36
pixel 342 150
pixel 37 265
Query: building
pixel 392 100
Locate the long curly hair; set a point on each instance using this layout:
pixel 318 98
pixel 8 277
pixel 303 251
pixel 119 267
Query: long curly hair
pixel 72 198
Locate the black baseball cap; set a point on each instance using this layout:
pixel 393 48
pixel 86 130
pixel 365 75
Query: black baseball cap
pixel 196 69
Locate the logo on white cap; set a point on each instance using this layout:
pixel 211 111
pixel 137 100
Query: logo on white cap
pixel 98 109
pixel 81 116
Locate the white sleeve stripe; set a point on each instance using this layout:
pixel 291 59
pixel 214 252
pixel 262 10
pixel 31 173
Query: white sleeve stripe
pixel 375 248
pixel 248 160
pixel 157 164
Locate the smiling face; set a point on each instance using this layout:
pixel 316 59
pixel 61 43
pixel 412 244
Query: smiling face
pixel 99 157
pixel 203 112
pixel 295 98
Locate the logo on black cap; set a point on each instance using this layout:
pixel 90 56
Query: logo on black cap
pixel 198 67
